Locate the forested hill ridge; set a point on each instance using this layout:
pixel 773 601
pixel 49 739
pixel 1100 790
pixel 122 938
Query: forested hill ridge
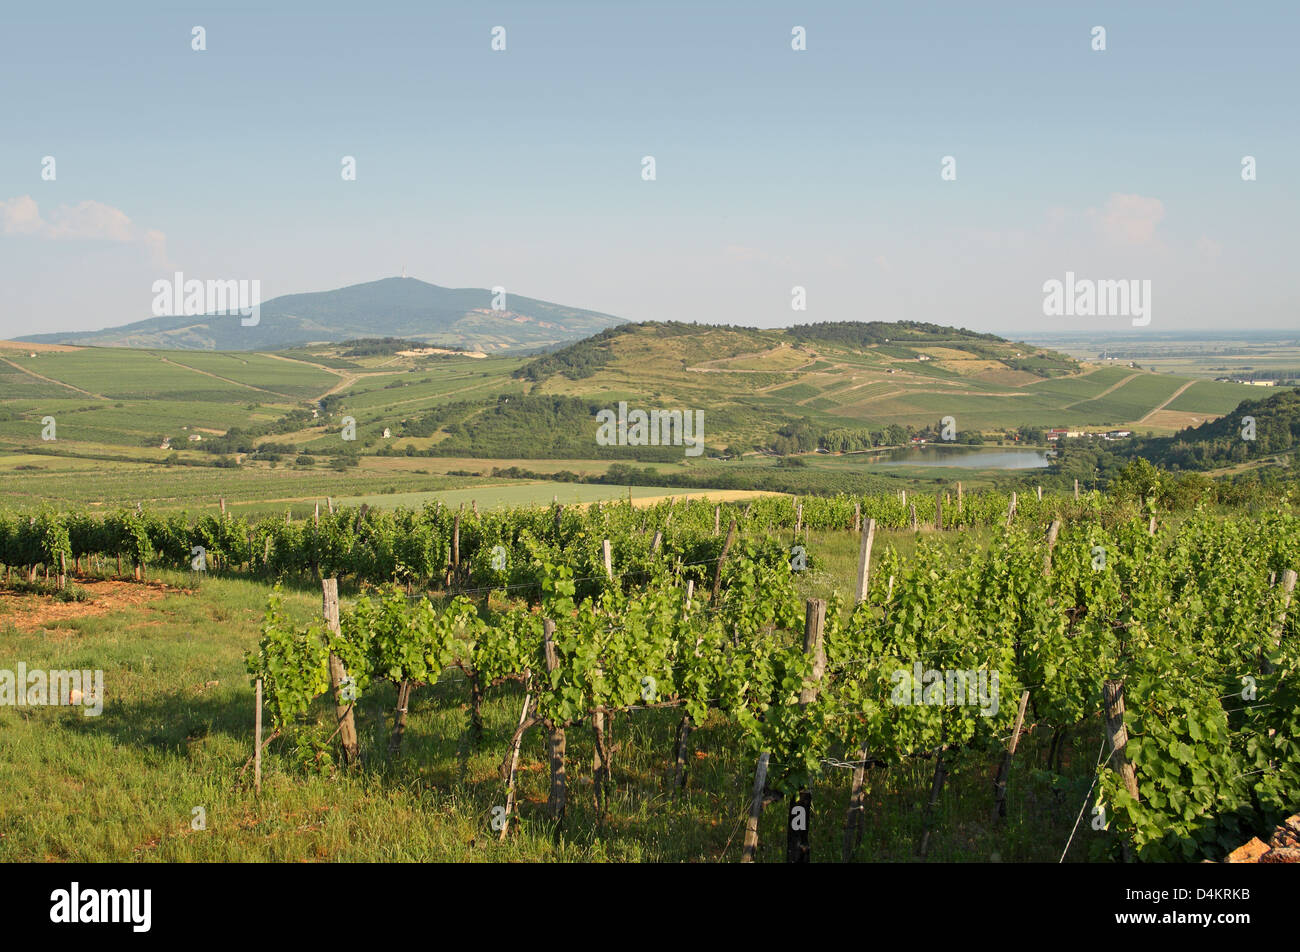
pixel 1254 430
pixel 466 318
pixel 954 351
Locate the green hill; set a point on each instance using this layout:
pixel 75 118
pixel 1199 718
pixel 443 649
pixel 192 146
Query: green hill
pixel 392 307
pixel 1255 429
pixel 839 386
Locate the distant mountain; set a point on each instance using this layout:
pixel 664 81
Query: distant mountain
pixel 392 307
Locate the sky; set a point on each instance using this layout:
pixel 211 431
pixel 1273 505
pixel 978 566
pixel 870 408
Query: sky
pixel 775 168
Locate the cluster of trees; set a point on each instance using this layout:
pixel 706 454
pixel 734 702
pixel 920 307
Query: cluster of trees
pixel 851 440
pixel 866 333
pixel 244 439
pixel 577 360
pixel 1230 439
pixel 800 437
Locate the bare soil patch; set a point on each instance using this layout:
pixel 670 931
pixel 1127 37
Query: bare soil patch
pixel 28 612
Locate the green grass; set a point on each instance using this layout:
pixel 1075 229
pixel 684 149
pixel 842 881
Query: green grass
pixel 177 728
pixel 1208 397
pixel 515 494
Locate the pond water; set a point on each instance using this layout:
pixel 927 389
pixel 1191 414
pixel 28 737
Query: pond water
pixel 962 457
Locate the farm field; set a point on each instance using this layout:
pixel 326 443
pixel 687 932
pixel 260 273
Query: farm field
pixel 541 493
pixel 110 402
pixel 177 650
pixel 178 729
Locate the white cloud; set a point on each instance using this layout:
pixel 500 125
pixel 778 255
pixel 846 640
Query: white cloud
pixel 749 255
pixel 87 221
pixel 1129 219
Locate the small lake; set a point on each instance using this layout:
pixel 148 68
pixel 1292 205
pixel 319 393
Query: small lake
pixel 961 457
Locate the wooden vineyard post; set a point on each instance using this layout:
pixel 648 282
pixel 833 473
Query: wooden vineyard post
pixel 342 710
pixel 798 518
pixel 1113 693
pixel 1151 526
pixel 726 547
pixel 1004 771
pixel 514 753
pixel 1011 509
pixel 556 801
pixel 857 517
pixel 681 747
pixel 914 524
pixel 936 788
pixel 329 504
pixel 959 502
pixel 315 516
pixel 717 520
pixel 864 561
pixel 1288 586
pixel 798 847
pixel 1040 493
pixel 257 736
pixel 938 510
pixel 681 752
pixel 658 540
pixel 854 818
pixel 223 508
pixel 474 504
pixel 1052 531
pixel 455 545
pixel 600 765
pixel 404 689
pixel 904 494
pixel 755 809
pixel 63 570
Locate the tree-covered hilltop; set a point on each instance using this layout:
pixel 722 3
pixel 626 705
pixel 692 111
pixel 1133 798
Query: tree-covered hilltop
pixel 1231 439
pixel 866 333
pixel 1188 454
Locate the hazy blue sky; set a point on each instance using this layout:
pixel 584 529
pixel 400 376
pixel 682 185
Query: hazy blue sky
pixel 775 168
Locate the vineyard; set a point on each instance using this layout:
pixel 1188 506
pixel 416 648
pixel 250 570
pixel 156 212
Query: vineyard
pixel 1165 647
pixel 459 547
